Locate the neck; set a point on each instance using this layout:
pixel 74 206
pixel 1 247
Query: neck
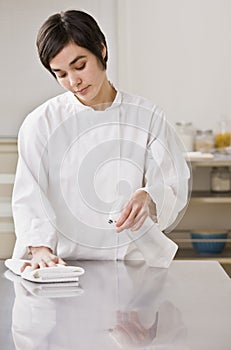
pixel 105 97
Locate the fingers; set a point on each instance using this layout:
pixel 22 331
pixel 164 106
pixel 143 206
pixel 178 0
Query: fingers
pixel 42 261
pixel 42 264
pixel 128 216
pixel 62 262
pixel 124 215
pixel 128 223
pixel 50 262
pixel 134 221
pixel 24 266
pixel 135 213
pixel 137 225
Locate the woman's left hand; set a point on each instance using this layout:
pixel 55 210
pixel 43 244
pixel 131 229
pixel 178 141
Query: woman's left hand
pixel 135 212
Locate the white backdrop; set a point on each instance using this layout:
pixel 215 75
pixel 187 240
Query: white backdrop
pixel 24 82
pixel 175 52
pixel 178 54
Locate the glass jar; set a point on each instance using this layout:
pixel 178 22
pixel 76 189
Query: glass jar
pixel 185 132
pixel 204 141
pixel 223 135
pixel 220 179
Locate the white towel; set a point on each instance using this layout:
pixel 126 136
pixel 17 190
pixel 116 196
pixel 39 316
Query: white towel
pixel 58 273
pixel 156 249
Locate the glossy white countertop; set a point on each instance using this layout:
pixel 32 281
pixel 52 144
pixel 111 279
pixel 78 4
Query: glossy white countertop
pixel 120 306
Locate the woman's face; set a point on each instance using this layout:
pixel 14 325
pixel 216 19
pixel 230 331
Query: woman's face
pixel 79 71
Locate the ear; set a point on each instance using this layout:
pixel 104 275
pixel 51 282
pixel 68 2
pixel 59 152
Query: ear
pixel 104 51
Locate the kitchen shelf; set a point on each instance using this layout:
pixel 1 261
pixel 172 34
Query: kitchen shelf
pixel 8 147
pixel 216 161
pixel 6 179
pixel 5 207
pixel 201 197
pixel 210 197
pixel 191 254
pixel 211 163
pixel 6 227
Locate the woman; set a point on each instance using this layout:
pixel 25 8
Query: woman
pixel 85 151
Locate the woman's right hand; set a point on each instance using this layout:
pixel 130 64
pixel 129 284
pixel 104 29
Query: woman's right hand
pixel 42 257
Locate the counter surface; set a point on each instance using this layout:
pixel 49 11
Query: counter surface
pixel 120 306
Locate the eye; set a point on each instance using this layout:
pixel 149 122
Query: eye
pixel 61 76
pixel 82 66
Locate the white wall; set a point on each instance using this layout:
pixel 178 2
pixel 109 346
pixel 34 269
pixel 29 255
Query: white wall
pixel 178 54
pixel 174 52
pixel 24 82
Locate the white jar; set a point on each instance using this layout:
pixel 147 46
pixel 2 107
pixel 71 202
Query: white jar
pixel 185 132
pixel 220 179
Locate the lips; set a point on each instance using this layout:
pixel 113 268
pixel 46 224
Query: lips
pixel 83 91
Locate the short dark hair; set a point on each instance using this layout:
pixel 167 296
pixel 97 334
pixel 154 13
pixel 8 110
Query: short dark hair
pixel 70 26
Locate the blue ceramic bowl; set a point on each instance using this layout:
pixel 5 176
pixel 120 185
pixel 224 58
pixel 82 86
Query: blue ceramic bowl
pixel 209 242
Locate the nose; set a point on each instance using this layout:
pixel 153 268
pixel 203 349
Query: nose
pixel 74 79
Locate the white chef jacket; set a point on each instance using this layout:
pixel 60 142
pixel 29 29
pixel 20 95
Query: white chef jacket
pixel 76 162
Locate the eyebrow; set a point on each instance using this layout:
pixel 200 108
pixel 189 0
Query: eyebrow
pixel 76 59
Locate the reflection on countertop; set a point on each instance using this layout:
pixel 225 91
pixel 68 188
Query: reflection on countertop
pixel 124 305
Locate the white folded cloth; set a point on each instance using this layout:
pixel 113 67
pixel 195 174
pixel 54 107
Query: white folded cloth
pixel 58 273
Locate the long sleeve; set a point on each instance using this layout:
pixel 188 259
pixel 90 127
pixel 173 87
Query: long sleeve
pixel 166 172
pixel 32 212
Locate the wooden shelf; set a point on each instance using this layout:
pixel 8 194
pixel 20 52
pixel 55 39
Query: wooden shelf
pixel 6 227
pixel 8 139
pixel 6 179
pixel 8 145
pixel 211 163
pixel 5 207
pixel 191 254
pixel 218 160
pixel 210 197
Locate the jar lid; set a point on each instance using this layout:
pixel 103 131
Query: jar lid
pixel 184 123
pixel 207 132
